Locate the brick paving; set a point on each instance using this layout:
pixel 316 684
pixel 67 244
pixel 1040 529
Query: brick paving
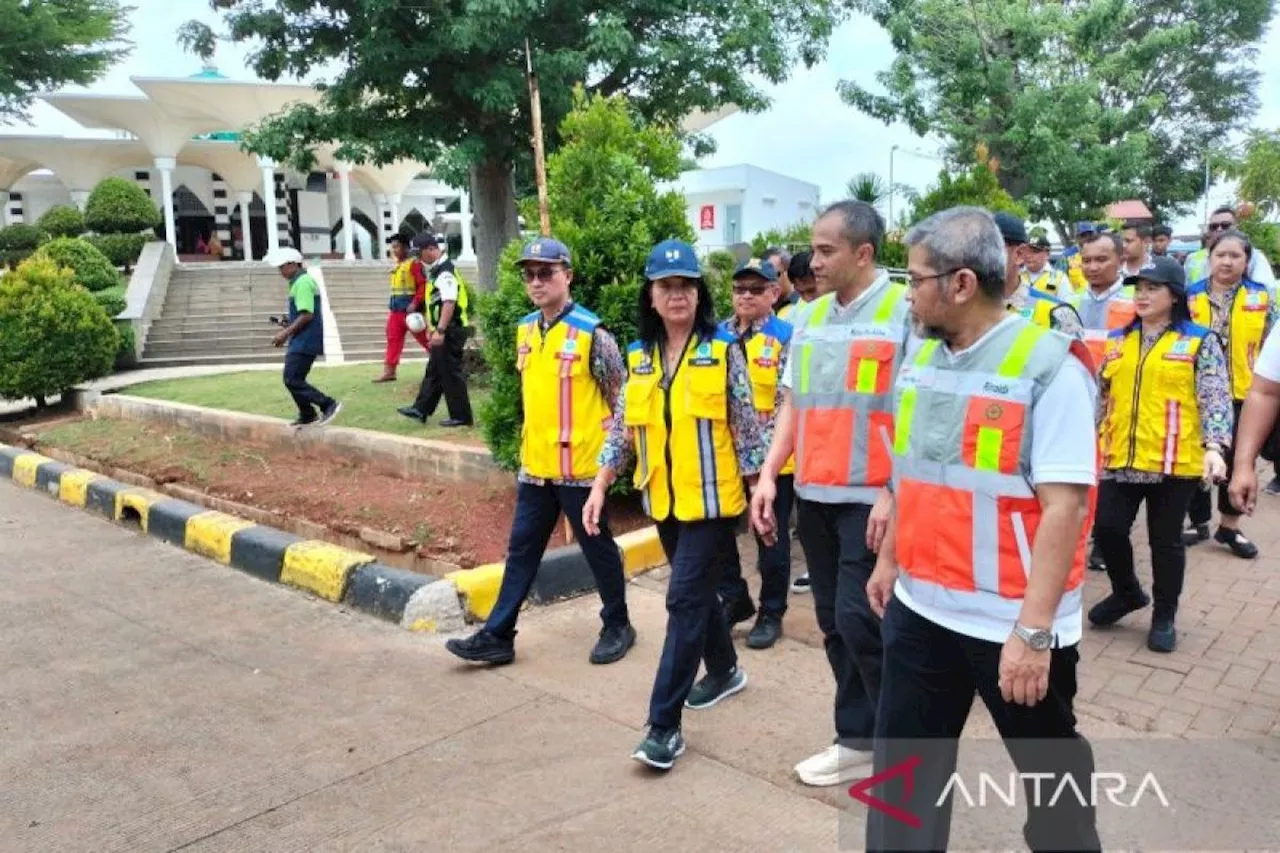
pixel 1224 678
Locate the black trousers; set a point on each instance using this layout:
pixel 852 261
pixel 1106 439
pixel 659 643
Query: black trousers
pixel 307 397
pixel 834 539
pixel 931 674
pixel 1167 503
pixel 773 561
pixel 445 378
pixel 1201 511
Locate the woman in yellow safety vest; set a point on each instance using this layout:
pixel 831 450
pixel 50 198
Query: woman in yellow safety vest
pixel 1241 311
pixel 687 412
pixel 1166 421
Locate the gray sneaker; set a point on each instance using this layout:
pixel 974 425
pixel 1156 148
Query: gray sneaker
pixel 712 688
pixel 660 748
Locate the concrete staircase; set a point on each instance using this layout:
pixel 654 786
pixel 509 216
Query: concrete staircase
pixel 217 314
pixel 358 293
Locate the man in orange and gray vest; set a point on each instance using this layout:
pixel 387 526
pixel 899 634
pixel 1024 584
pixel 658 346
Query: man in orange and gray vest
pixel 836 418
pixel 980 576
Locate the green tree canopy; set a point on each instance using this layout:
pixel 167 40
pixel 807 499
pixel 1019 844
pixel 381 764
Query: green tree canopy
pixel 1081 103
pixel 48 44
pixel 978 186
pixel 444 83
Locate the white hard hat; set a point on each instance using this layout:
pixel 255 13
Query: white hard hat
pixel 279 257
pixel 416 322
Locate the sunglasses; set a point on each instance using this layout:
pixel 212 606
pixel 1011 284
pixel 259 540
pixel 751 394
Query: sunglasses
pixel 530 274
pixel 753 289
pixel 1220 226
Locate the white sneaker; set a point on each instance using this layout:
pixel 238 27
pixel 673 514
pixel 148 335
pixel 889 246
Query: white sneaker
pixel 834 765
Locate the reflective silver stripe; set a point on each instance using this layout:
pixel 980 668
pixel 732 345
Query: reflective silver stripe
pixel 1024 545
pixel 988 613
pixel 839 494
pixel 707 463
pixel 961 477
pixel 643 440
pixel 986 542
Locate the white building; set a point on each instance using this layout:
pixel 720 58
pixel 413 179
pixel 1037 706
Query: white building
pixel 732 204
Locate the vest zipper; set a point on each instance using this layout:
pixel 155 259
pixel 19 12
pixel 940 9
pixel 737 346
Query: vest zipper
pixel 1137 387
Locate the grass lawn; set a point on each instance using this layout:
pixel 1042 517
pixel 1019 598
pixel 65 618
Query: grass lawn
pixel 364 404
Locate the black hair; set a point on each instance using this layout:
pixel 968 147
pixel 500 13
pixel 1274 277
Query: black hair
pixel 799 266
pixel 1226 208
pixel 649 325
pixel 860 223
pixel 1241 238
pixel 1115 240
pixel 1144 231
pixel 1161 231
pixel 396 238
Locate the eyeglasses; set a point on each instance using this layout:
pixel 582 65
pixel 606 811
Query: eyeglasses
pixel 539 273
pixel 917 280
pixel 1220 226
pixel 753 289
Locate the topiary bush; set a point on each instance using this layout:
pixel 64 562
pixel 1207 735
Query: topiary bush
pixel 17 242
pixel 62 220
pixel 112 301
pixel 119 206
pixel 92 269
pixel 121 249
pixel 53 334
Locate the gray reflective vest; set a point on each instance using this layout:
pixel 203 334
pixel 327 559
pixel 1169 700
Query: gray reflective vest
pixel 842 394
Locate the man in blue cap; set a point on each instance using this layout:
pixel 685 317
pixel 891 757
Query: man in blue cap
pixel 571 371
pixel 764 340
pixel 448 328
pixel 1070 260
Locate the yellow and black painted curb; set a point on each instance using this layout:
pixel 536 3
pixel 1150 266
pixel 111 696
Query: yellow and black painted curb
pixel 336 574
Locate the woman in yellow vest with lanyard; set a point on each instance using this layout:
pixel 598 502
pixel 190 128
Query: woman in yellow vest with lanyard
pixel 1165 425
pixel 1241 311
pixel 687 413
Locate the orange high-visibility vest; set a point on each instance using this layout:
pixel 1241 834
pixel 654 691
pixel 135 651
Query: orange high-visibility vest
pixel 966 511
pixel 842 395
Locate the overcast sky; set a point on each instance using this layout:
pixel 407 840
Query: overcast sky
pixel 808 133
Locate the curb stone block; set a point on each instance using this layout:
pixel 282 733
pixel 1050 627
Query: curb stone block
pixel 435 608
pixel 209 534
pixel 139 500
pixel 49 476
pixel 168 519
pixel 25 468
pixel 478 588
pixel 73 488
pixel 382 591
pixel 321 568
pixel 564 571
pixel 260 551
pixel 7 455
pixel 101 496
pixel 641 551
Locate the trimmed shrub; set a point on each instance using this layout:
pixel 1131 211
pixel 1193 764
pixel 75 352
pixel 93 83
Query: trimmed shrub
pixel 17 242
pixel 126 358
pixel 62 220
pixel 121 249
pixel 112 301
pixel 92 269
pixel 119 206
pixel 53 334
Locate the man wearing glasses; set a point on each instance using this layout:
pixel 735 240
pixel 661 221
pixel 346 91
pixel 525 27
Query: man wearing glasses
pixel 570 372
pixel 1197 266
pixel 764 340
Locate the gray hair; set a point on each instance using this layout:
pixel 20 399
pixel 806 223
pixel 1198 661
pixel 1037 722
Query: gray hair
pixel 860 223
pixel 964 238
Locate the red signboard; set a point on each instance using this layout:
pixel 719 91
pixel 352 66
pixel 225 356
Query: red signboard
pixel 707 217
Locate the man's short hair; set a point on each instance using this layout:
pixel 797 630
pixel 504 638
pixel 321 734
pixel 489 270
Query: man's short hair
pixel 1162 231
pixel 777 252
pixel 1143 229
pixel 964 238
pixel 1116 241
pixel 1226 208
pixel 860 223
pixel 799 266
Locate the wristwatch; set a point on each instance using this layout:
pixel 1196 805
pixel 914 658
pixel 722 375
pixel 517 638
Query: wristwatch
pixel 1039 639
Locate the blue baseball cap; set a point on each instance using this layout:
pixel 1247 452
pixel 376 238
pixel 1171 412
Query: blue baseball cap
pixel 544 250
pixel 672 258
pixel 1083 228
pixel 755 266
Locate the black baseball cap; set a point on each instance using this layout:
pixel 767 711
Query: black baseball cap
pixel 1041 242
pixel 425 240
pixel 1012 229
pixel 1162 270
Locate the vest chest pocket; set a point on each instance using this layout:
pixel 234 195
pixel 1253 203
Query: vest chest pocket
pixel 764 386
pixel 870 369
pixel 642 399
pixel 1177 372
pixel 992 439
pixel 707 396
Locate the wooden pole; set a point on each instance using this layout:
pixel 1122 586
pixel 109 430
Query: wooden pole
pixel 539 154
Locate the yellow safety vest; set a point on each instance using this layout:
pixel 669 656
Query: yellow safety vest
pixel 566 415
pixel 1038 308
pixel 435 303
pixel 1048 280
pixel 1244 331
pixel 764 366
pixel 686 464
pixel 1075 271
pixel 1152 420
pixel 402 283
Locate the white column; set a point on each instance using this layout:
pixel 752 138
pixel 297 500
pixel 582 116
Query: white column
pixel 269 201
pixel 395 214
pixel 464 208
pixel 380 250
pixel 80 198
pixel 246 199
pixel 166 165
pixel 348 229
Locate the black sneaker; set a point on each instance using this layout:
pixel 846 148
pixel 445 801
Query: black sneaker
pixel 1195 534
pixel 1162 637
pixel 300 422
pixel 329 413
pixel 1273 487
pixel 766 632
pixel 1096 563
pixel 613 644
pixel 1237 542
pixel 660 748
pixel 411 412
pixel 712 688
pixel 483 647
pixel 1113 608
pixel 801 584
pixel 454 422
pixel 738 610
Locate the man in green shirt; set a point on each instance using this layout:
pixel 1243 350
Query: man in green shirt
pixel 304 334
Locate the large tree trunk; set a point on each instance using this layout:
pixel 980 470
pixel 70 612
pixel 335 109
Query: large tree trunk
pixel 494 201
